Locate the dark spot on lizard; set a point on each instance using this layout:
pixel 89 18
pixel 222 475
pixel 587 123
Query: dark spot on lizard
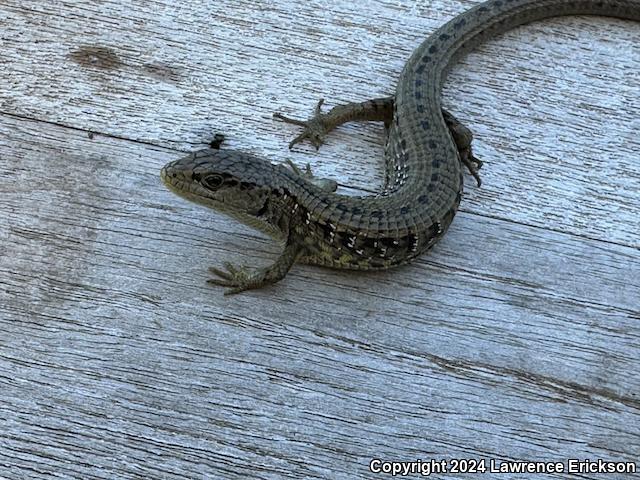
pixel 432 144
pixel 377 214
pixel 433 49
pixel 404 210
pixel 370 243
pixel 327 230
pixel 412 240
pixel 348 241
pixel 425 125
pixel 356 210
pixel 342 207
pixel 459 24
pixel 386 242
pixel 420 69
pixel 419 107
pixel 423 199
pixel 264 208
pixel 444 37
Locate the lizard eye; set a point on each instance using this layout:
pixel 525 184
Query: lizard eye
pixel 212 182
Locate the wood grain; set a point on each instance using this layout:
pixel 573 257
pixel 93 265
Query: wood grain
pixel 516 338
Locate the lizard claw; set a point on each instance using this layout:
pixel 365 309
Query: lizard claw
pixel 326 184
pixel 472 163
pixel 307 170
pixel 236 279
pixel 463 137
pixel 315 129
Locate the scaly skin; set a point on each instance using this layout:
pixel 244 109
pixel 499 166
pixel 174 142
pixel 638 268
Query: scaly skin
pixel 426 149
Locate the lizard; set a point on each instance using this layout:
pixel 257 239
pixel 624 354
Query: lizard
pixel 425 152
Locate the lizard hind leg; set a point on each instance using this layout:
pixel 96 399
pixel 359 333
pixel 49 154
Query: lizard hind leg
pixel 463 137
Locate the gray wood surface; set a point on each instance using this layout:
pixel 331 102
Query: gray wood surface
pixel 517 338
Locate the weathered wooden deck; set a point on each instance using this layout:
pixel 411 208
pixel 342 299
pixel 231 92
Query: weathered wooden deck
pixel 517 338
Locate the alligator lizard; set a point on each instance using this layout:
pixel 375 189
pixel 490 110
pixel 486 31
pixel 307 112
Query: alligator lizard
pixel 424 154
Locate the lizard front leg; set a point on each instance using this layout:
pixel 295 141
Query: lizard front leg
pixel 238 279
pixel 320 124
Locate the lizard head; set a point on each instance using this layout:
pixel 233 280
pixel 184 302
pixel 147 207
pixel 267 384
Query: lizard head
pixel 228 181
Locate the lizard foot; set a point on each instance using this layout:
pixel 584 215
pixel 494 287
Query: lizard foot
pixel 472 163
pixel 462 137
pixel 315 129
pixel 236 279
pixel 325 184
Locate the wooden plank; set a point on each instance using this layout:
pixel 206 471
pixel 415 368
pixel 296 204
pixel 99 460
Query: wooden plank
pixel 517 338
